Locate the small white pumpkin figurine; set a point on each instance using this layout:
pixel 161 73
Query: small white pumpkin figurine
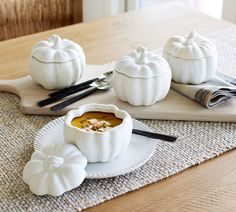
pixel 56 63
pixel 55 170
pixel 192 58
pixel 141 78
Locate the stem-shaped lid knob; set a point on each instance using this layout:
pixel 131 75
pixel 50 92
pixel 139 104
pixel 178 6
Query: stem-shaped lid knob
pixel 191 38
pixel 143 55
pixel 55 40
pixel 53 162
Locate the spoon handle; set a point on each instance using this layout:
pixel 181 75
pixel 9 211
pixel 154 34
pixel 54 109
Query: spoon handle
pixel 60 96
pixel 70 101
pixel 78 87
pixel 163 137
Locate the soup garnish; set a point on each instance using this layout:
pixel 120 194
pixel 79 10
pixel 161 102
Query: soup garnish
pixel 96 121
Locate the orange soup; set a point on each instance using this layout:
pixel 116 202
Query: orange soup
pixel 96 121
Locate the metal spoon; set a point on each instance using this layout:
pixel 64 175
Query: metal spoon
pixel 99 84
pixel 58 95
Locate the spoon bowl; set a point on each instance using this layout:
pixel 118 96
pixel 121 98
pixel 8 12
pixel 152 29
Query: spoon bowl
pixel 103 83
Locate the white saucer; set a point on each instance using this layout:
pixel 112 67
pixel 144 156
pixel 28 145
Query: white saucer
pixel 139 152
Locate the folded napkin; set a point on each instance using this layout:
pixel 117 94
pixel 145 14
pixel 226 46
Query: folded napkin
pixel 209 94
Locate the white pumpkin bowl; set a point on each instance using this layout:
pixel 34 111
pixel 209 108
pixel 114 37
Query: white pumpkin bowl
pixel 56 63
pixel 192 71
pixel 193 58
pixel 138 91
pixel 55 75
pixel 99 146
pixel 141 78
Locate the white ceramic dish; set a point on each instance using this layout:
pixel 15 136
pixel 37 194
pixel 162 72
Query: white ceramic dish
pixel 138 153
pixel 56 63
pixel 141 78
pixel 193 58
pixel 104 149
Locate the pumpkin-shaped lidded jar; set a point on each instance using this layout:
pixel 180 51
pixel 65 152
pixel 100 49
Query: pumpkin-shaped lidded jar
pixel 192 58
pixel 56 63
pixel 141 78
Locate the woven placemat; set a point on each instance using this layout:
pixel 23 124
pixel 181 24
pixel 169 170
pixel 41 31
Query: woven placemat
pixel 198 141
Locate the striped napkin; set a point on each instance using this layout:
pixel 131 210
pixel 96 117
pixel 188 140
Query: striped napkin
pixel 209 94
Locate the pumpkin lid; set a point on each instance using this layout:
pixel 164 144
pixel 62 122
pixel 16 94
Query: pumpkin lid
pixel 55 50
pixel 142 64
pixel 193 46
pixel 50 168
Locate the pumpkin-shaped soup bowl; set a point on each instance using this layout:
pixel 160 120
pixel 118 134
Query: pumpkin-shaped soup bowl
pixel 193 59
pixel 56 63
pixel 141 78
pixel 101 132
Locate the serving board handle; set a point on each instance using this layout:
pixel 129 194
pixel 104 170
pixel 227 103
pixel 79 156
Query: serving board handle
pixel 14 86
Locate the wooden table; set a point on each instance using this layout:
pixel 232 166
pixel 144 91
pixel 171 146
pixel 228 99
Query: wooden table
pixel 208 187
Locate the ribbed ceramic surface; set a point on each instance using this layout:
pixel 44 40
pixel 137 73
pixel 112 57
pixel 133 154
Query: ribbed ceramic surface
pixel 192 47
pixel 192 71
pixel 138 92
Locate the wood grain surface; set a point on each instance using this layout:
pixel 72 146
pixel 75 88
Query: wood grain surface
pixel 22 17
pixel 210 186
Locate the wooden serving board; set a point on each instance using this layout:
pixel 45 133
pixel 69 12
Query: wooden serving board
pixel 174 107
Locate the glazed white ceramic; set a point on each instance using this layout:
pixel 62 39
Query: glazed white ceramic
pixel 138 153
pixel 141 78
pixel 193 59
pixel 99 146
pixel 56 63
pixel 49 169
